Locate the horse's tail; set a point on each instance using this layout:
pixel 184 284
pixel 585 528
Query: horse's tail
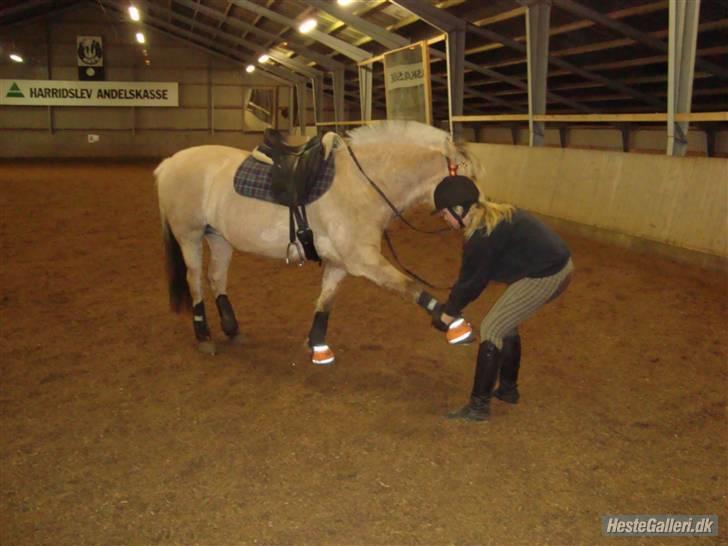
pixel 179 291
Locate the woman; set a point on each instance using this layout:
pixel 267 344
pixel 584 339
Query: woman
pixel 502 244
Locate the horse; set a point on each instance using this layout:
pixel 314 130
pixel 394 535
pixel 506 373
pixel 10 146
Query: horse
pixel 381 170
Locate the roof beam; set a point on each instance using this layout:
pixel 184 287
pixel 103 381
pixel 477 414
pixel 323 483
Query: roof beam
pixel 299 48
pixel 287 79
pixel 377 33
pixel 561 63
pixel 345 48
pixel 617 26
pixel 439 18
pixel 280 58
pixel 43 15
pixel 21 7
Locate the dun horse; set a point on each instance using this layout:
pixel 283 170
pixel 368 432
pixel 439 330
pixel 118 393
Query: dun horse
pixel 405 160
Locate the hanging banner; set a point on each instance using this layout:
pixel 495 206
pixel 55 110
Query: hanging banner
pixel 90 58
pixel 68 93
pixel 407 83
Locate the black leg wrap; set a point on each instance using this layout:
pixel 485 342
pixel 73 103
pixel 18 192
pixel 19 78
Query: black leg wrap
pixel 317 335
pixel 199 322
pixel 510 364
pixel 427 301
pixel 228 321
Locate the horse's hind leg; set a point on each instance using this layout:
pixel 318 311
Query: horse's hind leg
pixel 322 354
pixel 220 254
pixel 191 247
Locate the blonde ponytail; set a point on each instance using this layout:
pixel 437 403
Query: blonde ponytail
pixel 487 215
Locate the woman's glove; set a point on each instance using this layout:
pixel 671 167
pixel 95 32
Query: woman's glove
pixel 437 319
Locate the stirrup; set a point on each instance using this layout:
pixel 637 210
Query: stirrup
pixel 322 355
pixel 297 246
pixel 460 332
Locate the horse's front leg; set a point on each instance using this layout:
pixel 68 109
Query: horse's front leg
pixel 377 269
pixel 321 352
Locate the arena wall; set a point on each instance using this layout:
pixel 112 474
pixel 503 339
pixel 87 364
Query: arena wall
pixel 678 203
pixel 212 92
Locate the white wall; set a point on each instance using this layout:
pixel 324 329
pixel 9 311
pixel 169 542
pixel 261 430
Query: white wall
pixel 676 201
pixel 607 138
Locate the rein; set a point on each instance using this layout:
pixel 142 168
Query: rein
pixel 452 169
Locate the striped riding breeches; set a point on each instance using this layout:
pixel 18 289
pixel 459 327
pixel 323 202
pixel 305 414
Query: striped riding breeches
pixel 520 301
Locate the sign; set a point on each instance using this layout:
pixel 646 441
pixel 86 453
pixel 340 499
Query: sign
pixel 405 75
pixel 90 58
pixel 407 83
pixel 68 93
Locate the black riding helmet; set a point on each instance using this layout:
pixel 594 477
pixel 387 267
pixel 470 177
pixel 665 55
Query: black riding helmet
pixel 456 191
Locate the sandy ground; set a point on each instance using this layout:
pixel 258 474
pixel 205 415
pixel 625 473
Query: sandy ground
pixel 115 430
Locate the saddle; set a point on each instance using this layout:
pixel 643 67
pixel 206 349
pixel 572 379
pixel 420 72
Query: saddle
pixel 294 170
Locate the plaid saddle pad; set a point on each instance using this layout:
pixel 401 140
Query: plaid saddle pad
pixel 253 179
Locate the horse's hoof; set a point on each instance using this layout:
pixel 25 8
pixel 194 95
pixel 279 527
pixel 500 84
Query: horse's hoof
pixel 206 347
pixel 460 332
pixel 322 355
pixel 237 339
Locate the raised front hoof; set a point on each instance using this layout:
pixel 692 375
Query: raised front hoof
pixel 470 413
pixel 322 355
pixel 460 332
pixel 207 347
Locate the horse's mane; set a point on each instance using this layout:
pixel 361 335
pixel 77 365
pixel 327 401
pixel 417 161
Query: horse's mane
pixel 398 132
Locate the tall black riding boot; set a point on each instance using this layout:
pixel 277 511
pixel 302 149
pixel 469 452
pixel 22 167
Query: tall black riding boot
pixel 510 364
pixel 486 373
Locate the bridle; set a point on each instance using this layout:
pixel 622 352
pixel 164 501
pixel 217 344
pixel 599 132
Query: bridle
pixel 452 169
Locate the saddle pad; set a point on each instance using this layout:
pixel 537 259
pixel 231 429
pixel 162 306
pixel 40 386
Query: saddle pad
pixel 254 179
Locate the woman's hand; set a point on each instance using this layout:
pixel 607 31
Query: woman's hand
pixel 441 320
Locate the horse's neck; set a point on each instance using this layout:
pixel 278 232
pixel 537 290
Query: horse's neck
pixel 406 174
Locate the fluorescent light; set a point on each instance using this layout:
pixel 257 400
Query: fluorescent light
pixel 140 37
pixel 343 2
pixel 134 13
pixel 307 26
pixel 15 57
pixel 250 69
pixel 264 58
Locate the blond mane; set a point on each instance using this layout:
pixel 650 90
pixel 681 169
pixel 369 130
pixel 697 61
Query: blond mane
pixel 399 132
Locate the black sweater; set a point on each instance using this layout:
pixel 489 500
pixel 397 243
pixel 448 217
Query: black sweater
pixel 524 247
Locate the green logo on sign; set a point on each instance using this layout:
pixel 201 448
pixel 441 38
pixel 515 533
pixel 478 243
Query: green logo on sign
pixel 15 92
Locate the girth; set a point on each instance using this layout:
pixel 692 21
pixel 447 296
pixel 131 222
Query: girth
pixel 293 175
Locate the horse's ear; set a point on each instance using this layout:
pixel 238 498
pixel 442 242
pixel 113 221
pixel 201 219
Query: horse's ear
pixel 331 141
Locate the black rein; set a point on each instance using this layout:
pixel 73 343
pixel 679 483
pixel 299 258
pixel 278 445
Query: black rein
pixel 398 214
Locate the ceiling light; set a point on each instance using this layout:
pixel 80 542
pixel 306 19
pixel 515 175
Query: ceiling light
pixel 307 26
pixel 343 2
pixel 15 57
pixel 134 13
pixel 250 69
pixel 264 58
pixel 140 37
